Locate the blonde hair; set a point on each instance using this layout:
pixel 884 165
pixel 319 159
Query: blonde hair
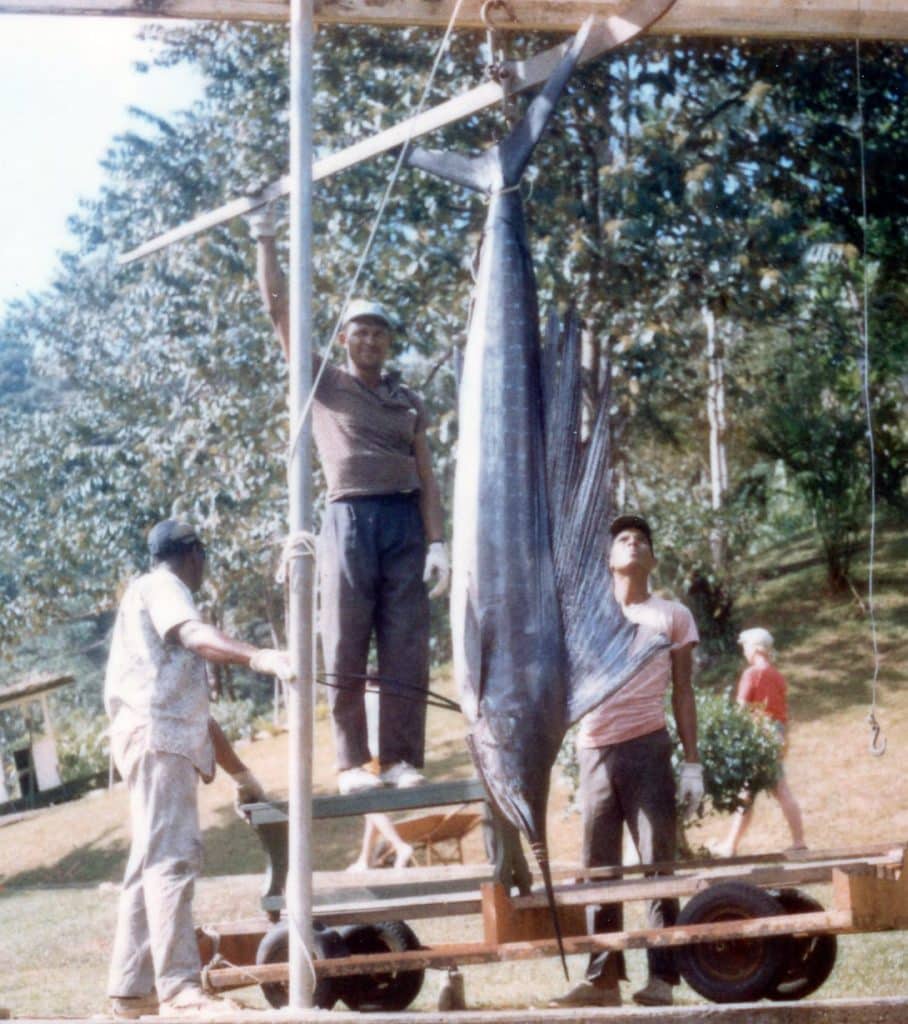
pixel 758 638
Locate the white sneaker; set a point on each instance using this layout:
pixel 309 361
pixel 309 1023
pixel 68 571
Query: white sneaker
pixel 402 775
pixel 357 780
pixel 656 992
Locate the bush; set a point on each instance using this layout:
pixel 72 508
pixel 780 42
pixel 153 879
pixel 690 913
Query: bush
pixel 739 750
pixel 82 745
pixel 236 718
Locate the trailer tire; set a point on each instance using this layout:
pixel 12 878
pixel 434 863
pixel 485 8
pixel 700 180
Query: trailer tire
pixel 275 949
pixel 387 991
pixel 810 958
pixel 738 970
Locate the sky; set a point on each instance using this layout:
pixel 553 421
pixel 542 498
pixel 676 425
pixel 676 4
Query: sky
pixel 65 86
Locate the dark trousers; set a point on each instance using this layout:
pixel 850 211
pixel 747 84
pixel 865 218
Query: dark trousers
pixel 372 553
pixel 629 783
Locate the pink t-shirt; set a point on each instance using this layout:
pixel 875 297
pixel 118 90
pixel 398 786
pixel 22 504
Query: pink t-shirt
pixel 638 708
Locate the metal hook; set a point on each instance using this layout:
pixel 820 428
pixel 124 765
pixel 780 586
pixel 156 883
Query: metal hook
pixel 497 69
pixel 877 739
pixel 485 12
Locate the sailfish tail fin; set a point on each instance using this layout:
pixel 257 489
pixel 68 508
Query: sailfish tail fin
pixel 503 164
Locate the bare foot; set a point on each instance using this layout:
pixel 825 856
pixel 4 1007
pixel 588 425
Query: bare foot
pixel 360 864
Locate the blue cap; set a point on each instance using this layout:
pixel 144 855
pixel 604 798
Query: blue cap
pixel 171 537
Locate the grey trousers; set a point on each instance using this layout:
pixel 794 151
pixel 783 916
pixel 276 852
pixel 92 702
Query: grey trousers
pixel 155 945
pixel 372 553
pixel 630 783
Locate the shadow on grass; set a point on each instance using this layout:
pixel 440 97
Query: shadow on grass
pixel 101 860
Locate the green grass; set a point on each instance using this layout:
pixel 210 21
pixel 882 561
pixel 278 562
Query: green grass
pixel 57 908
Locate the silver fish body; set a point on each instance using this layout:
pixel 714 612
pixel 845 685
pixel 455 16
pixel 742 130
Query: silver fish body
pixel 509 654
pixel 538 637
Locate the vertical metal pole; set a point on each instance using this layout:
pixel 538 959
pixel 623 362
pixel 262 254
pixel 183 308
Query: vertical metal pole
pixel 300 639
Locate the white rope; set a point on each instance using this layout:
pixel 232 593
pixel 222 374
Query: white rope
pixel 401 156
pixel 877 742
pixel 301 544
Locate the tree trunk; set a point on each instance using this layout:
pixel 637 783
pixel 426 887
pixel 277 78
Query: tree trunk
pixel 715 412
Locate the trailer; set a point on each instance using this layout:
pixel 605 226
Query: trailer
pixel 747 931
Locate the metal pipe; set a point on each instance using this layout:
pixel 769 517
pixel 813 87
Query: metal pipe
pixel 300 568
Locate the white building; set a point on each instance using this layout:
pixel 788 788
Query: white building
pixel 35 764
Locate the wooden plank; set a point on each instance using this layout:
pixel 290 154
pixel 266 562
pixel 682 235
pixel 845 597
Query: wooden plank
pixel 884 853
pixel 425 893
pixel 431 794
pixel 410 908
pixel 484 952
pixel 607 34
pixel 772 19
pixel 686 883
pixel 884 1010
pixel 875 899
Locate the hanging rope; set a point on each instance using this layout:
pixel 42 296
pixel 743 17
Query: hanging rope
pixel 877 740
pixel 367 248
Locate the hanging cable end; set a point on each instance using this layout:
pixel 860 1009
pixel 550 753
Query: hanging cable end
pixel 877 739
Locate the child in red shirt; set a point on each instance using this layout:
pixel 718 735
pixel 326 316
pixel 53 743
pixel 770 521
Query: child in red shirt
pixel 762 685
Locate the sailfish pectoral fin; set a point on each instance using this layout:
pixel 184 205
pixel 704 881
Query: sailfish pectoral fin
pixel 471 172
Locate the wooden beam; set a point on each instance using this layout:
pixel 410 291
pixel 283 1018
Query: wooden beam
pixel 607 34
pixel 769 19
pixel 485 952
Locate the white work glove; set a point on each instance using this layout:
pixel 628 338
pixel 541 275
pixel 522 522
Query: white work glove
pixel 437 566
pixel 248 790
pixel 690 787
pixel 262 222
pixel 272 663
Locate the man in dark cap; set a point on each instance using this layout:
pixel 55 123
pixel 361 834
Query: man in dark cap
pixel 162 739
pixel 626 773
pixel 382 536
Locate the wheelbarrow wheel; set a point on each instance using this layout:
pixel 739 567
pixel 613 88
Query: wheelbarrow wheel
pixel 275 949
pixel 731 970
pixel 388 991
pixel 810 958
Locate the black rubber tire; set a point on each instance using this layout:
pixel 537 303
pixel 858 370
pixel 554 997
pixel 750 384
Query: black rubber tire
pixel 809 959
pixel 275 949
pixel 387 991
pixel 736 971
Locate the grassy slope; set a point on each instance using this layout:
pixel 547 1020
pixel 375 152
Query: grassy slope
pixel 60 937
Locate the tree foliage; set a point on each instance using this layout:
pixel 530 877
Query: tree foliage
pixel 676 176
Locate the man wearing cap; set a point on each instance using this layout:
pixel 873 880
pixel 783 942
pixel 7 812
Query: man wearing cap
pixel 382 534
pixel 626 773
pixel 162 739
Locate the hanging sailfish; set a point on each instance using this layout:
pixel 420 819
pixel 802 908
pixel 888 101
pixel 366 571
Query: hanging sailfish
pixel 538 637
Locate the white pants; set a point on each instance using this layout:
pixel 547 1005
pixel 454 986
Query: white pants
pixel 155 943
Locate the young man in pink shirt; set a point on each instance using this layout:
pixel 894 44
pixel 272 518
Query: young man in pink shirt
pixel 626 773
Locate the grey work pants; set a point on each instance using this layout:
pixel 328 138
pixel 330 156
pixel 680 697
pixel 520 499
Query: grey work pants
pixel 155 945
pixel 630 783
pixel 372 552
